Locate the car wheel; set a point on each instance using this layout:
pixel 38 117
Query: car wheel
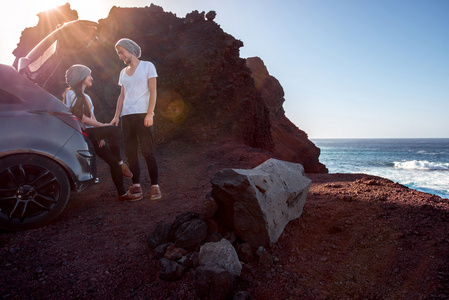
pixel 33 191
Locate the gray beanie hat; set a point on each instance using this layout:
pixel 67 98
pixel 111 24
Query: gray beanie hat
pixel 130 45
pixel 75 74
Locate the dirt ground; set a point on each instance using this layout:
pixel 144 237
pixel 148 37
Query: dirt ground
pixel 359 237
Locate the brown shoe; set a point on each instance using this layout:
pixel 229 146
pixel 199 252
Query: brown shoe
pixel 155 192
pixel 130 197
pixel 125 171
pixel 136 190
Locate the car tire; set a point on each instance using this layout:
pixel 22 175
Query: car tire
pixel 33 191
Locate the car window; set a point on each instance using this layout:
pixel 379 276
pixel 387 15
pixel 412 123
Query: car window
pixel 35 65
pixel 8 98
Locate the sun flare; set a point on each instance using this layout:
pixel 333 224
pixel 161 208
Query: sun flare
pixel 42 6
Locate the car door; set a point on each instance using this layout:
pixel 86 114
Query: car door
pixel 69 39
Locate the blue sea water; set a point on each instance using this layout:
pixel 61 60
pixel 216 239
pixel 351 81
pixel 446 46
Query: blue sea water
pixel 420 164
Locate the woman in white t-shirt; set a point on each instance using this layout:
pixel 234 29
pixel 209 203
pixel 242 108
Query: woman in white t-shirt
pixel 78 77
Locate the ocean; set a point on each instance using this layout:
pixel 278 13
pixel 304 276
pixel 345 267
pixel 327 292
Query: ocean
pixel 420 164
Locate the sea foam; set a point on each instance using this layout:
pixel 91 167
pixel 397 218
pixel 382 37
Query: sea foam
pixel 421 165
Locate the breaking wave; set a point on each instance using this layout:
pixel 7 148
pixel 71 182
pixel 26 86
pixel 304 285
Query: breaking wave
pixel 421 165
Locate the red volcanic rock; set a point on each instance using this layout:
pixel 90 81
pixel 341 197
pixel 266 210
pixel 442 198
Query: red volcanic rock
pixel 206 92
pixel 291 143
pixel 48 21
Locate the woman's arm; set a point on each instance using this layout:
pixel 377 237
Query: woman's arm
pixel 92 122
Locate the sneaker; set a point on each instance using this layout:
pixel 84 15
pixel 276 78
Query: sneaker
pixel 136 190
pixel 125 171
pixel 130 197
pixel 155 193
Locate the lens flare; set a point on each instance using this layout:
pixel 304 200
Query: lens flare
pixel 173 107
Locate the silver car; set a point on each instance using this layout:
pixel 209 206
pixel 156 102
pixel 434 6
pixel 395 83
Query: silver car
pixel 44 154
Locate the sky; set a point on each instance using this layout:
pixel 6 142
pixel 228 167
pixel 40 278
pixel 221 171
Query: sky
pixel 349 68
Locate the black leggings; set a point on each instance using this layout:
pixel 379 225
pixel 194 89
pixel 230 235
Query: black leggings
pixel 110 152
pixel 135 132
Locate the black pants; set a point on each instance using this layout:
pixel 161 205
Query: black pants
pixel 135 132
pixel 110 152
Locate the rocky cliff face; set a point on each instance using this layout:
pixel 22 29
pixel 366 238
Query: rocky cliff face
pixel 290 142
pixel 206 92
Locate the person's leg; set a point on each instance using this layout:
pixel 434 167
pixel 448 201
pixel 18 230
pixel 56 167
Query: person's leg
pixel 112 135
pixel 106 154
pixel 147 148
pixel 131 146
pixel 116 173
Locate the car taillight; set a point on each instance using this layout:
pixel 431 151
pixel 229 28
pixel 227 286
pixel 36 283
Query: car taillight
pixel 70 120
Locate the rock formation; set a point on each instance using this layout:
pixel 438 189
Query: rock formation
pixel 48 21
pixel 206 92
pixel 220 255
pixel 258 203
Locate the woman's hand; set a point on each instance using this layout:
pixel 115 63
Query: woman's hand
pixel 101 143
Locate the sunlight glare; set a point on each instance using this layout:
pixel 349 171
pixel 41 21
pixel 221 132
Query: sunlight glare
pixel 41 6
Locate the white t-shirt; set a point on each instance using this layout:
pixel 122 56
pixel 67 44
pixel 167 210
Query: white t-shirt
pixel 137 92
pixel 70 100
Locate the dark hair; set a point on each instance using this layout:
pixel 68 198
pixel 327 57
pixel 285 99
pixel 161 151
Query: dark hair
pixel 80 108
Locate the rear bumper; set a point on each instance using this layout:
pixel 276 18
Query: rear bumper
pixel 81 164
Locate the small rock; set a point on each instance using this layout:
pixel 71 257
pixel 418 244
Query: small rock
pixel 243 295
pixel 185 262
pixel 170 270
pixel 265 259
pixel 191 233
pixel 160 250
pixel 213 283
pixel 160 235
pixel 174 253
pixel 245 252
